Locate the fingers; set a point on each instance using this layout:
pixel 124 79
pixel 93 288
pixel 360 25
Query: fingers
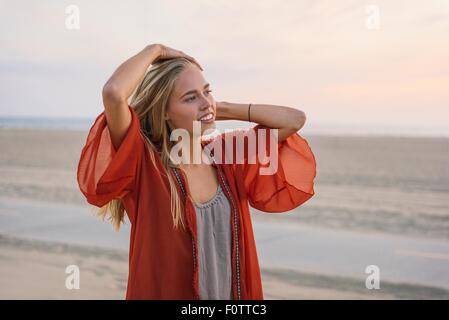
pixel 174 53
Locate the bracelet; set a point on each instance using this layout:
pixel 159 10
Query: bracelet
pixel 249 108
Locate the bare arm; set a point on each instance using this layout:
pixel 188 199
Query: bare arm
pixel 119 88
pixel 288 120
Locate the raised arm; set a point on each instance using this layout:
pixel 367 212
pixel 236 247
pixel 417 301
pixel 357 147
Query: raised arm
pixel 288 120
pixel 119 88
pixel 289 179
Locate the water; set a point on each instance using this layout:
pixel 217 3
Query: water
pixel 310 128
pixel 46 123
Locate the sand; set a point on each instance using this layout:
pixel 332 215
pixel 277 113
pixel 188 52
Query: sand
pixel 36 270
pixel 40 165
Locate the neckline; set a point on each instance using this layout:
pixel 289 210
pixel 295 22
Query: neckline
pixel 209 202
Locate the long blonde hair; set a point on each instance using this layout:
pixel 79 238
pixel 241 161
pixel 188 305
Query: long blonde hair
pixel 150 101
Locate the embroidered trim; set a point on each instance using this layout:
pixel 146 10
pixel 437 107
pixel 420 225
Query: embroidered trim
pixel 236 233
pixel 235 224
pixel 212 201
pixel 193 239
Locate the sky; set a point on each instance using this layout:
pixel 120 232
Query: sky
pixel 359 63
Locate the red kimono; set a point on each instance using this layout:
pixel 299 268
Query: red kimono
pixel 162 260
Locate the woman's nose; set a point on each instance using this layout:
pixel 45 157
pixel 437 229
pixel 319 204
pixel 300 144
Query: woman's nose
pixel 206 103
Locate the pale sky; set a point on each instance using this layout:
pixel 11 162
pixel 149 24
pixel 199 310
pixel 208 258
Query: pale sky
pixel 323 57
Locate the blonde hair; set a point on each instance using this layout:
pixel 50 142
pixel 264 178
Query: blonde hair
pixel 150 102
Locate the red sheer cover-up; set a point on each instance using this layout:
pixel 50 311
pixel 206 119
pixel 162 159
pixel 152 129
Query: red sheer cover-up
pixel 161 259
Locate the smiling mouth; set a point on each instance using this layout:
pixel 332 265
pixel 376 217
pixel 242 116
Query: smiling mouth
pixel 207 118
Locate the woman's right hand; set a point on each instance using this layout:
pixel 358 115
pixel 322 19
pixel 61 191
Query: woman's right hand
pixel 170 53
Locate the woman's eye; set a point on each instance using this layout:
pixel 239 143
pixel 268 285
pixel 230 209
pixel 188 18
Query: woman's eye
pixel 193 97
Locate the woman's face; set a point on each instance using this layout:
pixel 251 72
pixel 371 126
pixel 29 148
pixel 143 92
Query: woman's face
pixel 191 100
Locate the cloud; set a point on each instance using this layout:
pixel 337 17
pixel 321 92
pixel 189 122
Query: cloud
pixel 316 55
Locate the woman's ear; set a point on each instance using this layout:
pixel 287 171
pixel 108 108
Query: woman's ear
pixel 168 121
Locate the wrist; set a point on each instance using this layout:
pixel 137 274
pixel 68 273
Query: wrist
pixel 232 111
pixel 154 50
pixel 222 110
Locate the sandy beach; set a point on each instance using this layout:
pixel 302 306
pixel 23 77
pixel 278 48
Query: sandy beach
pixel 33 269
pixel 46 225
pixel 36 270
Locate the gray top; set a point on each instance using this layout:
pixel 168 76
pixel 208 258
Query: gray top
pixel 214 247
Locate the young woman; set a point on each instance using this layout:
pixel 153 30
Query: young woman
pixel 191 231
